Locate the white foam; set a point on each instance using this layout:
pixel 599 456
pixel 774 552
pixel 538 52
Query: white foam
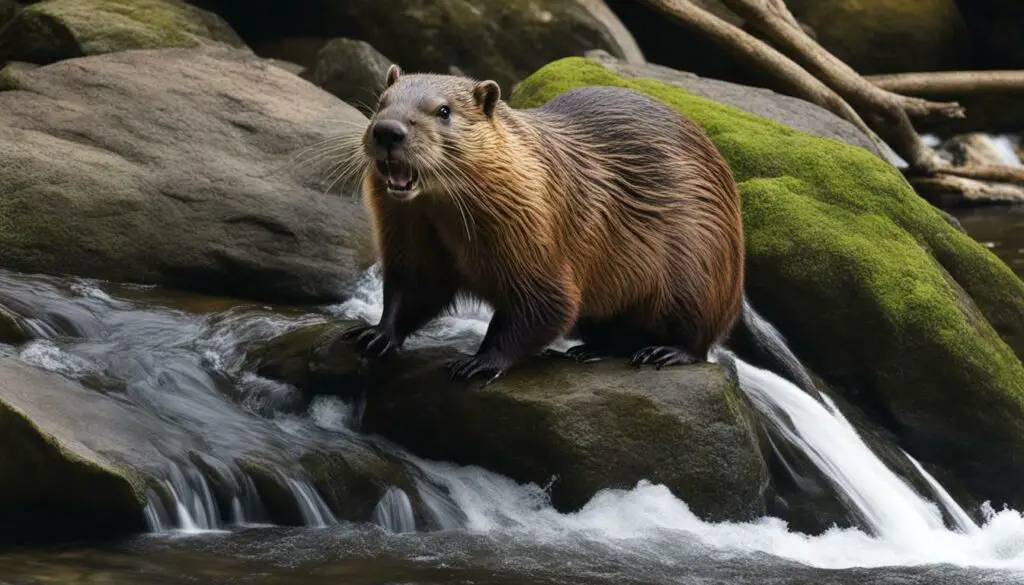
pixel 1004 145
pixel 47 355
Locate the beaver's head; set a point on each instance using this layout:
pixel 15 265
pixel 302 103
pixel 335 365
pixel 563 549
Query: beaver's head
pixel 422 121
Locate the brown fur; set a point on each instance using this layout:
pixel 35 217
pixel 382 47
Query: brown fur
pixel 603 209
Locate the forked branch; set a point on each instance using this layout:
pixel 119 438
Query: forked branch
pixel 827 81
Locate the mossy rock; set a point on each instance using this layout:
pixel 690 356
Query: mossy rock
pixel 11 329
pixel 53 30
pixel 916 323
pixel 59 481
pixel 888 36
pixel 11 74
pixel 587 428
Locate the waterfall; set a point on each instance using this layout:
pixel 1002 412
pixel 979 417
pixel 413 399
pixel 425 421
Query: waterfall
pixel 312 507
pixel 394 512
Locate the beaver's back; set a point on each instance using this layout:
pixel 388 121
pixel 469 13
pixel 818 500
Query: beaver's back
pixel 651 212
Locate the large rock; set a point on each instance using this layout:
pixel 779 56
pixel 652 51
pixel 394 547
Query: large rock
pixel 916 323
pixel 353 71
pixel 176 167
pixel 52 30
pixel 503 40
pixel 61 477
pixel 590 427
pixel 888 36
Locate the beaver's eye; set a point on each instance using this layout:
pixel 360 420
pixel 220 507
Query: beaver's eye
pixel 444 112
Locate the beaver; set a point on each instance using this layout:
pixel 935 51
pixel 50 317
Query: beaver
pixel 604 213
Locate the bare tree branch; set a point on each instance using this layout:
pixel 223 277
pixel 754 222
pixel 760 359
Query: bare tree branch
pixel 827 81
pixel 737 41
pixel 950 82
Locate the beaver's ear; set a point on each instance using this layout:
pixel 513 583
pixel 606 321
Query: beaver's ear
pixel 394 72
pixel 487 94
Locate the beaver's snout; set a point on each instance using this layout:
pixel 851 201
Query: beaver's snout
pixel 388 134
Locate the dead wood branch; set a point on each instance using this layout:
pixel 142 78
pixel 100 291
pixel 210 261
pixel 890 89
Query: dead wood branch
pixel 827 81
pixel 737 41
pixel 951 82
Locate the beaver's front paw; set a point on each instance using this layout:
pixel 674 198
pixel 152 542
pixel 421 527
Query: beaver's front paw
pixel 489 365
pixel 371 341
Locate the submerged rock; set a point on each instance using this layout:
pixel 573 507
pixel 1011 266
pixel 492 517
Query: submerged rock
pixel 918 325
pixel 581 428
pixel 60 469
pixel 177 167
pixel 52 30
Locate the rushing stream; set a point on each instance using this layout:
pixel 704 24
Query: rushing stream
pixel 174 363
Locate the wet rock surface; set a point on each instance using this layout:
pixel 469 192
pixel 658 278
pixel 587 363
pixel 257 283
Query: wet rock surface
pixel 62 461
pixel 579 428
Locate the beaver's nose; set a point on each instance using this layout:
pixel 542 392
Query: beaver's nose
pixel 389 133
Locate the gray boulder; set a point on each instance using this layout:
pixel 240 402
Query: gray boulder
pixel 587 427
pixel 60 469
pixel 178 167
pixel 52 30
pixel 353 71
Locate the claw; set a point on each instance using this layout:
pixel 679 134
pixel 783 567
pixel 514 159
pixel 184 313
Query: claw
pixel 577 353
pixel 661 356
pixel 370 340
pixel 463 369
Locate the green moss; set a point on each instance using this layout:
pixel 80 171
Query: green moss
pixel 9 79
pixel 869 283
pixel 53 30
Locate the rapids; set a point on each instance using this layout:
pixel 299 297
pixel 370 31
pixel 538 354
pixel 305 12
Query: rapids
pixel 178 360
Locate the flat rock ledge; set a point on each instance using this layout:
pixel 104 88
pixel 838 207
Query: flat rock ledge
pixel 576 428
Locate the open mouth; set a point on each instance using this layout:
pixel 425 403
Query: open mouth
pixel 401 178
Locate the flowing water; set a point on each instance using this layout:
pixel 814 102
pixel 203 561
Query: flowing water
pixel 178 362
